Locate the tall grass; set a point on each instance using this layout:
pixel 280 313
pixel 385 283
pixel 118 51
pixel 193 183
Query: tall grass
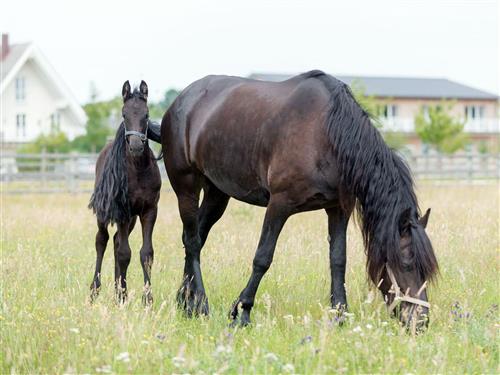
pixel 48 326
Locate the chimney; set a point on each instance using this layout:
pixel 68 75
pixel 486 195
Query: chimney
pixel 5 45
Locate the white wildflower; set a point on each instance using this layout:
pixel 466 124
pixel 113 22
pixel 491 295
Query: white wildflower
pixel 124 357
pixel 369 326
pixel 271 357
pixel 289 368
pixel 357 329
pixel 178 361
pixel 74 330
pixel 106 369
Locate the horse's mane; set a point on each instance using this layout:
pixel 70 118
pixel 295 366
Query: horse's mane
pixel 379 179
pixel 110 200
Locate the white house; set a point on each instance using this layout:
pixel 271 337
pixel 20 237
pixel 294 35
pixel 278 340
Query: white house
pixel 34 99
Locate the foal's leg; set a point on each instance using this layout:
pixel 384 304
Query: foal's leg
pixel 276 216
pixel 212 207
pixel 101 240
pixel 191 295
pixel 148 220
pixel 337 228
pixel 122 258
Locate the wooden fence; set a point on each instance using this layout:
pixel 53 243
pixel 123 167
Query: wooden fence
pixel 50 173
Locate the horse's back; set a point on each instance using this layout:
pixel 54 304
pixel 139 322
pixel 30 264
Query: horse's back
pixel 246 135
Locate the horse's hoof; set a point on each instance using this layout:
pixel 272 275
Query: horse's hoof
pixel 194 304
pixel 340 313
pixel 237 320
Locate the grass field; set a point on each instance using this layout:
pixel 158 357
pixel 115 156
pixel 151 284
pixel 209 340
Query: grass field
pixel 48 326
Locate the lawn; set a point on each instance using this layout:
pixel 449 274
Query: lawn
pixel 47 324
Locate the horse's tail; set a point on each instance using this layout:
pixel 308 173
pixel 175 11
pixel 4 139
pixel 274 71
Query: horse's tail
pixel 109 200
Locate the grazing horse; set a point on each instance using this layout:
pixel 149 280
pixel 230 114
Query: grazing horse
pixel 127 186
pixel 298 145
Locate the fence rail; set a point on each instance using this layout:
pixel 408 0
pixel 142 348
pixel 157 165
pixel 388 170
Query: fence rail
pixel 40 173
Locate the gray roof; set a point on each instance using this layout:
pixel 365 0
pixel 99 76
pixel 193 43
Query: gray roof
pixel 399 87
pixel 15 53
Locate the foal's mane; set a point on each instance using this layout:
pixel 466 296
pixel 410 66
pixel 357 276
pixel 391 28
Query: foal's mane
pixel 110 200
pixel 379 179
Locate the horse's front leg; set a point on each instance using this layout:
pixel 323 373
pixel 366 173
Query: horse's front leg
pixel 191 295
pixel 276 215
pixel 148 220
pixel 337 234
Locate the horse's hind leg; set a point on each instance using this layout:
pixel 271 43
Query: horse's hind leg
pixel 276 215
pixel 101 240
pixel 148 220
pixel 337 233
pixel 122 258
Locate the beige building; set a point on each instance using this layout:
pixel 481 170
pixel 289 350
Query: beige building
pixel 34 99
pixel 403 98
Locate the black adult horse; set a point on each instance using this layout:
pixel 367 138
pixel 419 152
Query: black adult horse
pixel 299 145
pixel 127 185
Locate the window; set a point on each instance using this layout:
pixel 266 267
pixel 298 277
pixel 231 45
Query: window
pixel 55 122
pixel 390 111
pixel 21 125
pixel 20 89
pixel 473 112
pixel 425 110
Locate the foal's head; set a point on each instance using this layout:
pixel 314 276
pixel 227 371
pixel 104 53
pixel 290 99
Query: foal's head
pixel 403 283
pixel 135 117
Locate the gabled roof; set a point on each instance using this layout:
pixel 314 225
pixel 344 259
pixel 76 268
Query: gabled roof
pixel 400 87
pixel 18 55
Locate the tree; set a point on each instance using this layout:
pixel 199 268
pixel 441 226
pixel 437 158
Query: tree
pixel 438 128
pixel 374 107
pixel 102 117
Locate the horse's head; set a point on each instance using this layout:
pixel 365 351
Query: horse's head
pixel 135 117
pixel 403 283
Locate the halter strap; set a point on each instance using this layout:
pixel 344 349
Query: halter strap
pixel 400 297
pixel 142 136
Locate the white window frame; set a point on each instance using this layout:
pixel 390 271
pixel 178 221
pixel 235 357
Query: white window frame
pixel 390 111
pixel 21 125
pixel 55 121
pixel 20 89
pixel 474 112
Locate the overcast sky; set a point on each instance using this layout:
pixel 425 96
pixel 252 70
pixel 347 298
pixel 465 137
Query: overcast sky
pixel 172 43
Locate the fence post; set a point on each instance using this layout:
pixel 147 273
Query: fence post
pixel 73 172
pixel 43 167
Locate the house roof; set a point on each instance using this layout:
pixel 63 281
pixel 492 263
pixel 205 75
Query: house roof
pixel 18 55
pixel 400 87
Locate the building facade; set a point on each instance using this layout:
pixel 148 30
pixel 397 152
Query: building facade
pixel 34 99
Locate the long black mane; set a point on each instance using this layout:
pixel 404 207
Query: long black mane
pixel 379 179
pixel 110 201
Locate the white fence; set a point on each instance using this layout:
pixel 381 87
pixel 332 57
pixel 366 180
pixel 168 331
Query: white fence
pixel 49 173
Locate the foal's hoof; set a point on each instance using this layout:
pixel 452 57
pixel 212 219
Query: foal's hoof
pixel 121 296
pixel 147 299
pixel 94 293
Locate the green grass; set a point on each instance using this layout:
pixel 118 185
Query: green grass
pixel 48 326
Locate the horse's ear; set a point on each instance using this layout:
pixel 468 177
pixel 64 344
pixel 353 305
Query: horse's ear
pixel 126 90
pixel 424 219
pixel 404 220
pixel 143 88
